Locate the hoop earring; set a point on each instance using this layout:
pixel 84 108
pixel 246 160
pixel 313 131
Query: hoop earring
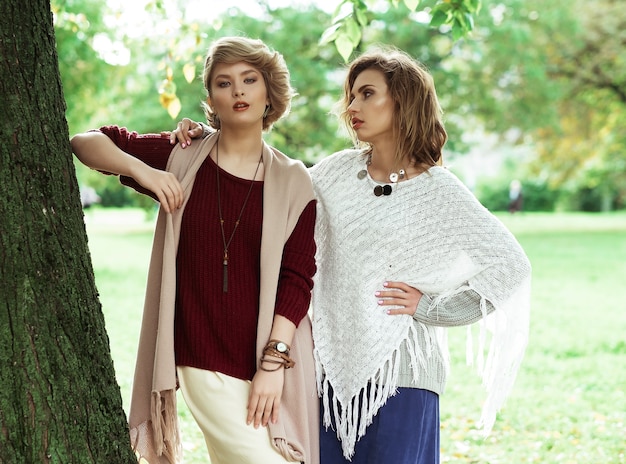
pixel 267 110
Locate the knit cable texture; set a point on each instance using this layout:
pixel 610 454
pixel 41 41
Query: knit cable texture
pixel 432 234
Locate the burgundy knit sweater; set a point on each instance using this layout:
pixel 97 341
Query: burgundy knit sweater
pixel 215 330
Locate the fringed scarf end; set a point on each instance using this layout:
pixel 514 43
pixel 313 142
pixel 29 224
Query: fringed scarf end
pixel 165 431
pixel 287 451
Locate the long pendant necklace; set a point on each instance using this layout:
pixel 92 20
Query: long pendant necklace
pixel 219 207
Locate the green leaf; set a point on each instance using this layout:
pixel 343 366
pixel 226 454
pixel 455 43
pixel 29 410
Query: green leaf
pixel 189 71
pixel 344 46
pixel 330 34
pixel 446 7
pixel 352 31
pixel 459 21
pixel 458 29
pixel 439 18
pixel 412 4
pixel 472 6
pixel 338 9
pixel 339 18
pixel 361 16
pixel 469 21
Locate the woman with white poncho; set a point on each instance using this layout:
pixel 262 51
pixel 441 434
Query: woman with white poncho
pixel 404 251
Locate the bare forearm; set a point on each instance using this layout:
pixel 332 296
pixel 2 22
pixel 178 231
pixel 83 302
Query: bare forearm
pixel 97 151
pixel 282 329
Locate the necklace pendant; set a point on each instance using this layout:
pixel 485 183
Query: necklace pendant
pixel 393 177
pixel 225 274
pixel 362 174
pixel 382 190
pixel 221 217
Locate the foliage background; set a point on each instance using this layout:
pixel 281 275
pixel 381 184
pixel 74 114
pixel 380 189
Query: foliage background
pixel 536 92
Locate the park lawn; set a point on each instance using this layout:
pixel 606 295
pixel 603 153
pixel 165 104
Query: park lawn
pixel 120 242
pixel 569 402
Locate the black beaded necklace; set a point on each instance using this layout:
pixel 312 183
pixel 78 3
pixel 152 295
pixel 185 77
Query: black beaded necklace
pixel 386 189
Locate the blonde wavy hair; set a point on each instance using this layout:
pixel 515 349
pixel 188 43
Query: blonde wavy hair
pixel 417 120
pixel 270 64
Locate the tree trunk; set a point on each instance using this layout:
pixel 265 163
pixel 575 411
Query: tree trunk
pixel 59 401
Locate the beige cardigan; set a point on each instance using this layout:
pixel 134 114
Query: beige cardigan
pixel 153 418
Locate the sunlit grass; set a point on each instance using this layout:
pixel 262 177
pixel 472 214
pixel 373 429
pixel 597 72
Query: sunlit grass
pixel 569 402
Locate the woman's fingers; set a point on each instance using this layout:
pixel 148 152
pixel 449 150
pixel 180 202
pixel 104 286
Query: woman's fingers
pixel 264 400
pixel 261 410
pixel 185 130
pixel 401 296
pixel 166 187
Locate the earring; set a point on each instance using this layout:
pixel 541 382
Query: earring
pixel 267 110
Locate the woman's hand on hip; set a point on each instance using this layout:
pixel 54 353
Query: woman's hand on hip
pixel 401 298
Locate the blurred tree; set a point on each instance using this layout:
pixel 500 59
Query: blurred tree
pixel 83 73
pixel 309 132
pixel 90 82
pixel 112 77
pixel 60 402
pixel 551 74
pixel 544 75
pixel 175 57
pixel 352 17
pixel 587 149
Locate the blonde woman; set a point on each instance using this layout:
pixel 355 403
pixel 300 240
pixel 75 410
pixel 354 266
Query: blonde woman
pixel 231 272
pixel 404 251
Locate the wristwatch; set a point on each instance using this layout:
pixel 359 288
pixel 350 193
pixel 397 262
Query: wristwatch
pixel 279 346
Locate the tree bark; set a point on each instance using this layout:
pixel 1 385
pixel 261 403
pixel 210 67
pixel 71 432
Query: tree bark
pixel 59 401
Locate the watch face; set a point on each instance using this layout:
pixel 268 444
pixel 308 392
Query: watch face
pixel 282 347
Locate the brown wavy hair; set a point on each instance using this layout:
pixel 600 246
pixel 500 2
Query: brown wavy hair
pixel 270 64
pixel 417 119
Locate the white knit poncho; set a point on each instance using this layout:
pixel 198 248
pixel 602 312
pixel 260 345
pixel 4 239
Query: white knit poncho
pixel 432 234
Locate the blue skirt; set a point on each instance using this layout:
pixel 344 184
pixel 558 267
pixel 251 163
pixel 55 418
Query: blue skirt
pixel 404 431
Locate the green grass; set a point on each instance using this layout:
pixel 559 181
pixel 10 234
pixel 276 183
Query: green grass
pixel 569 402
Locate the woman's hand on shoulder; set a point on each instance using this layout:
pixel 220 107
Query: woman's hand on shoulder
pixel 186 130
pixel 401 296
